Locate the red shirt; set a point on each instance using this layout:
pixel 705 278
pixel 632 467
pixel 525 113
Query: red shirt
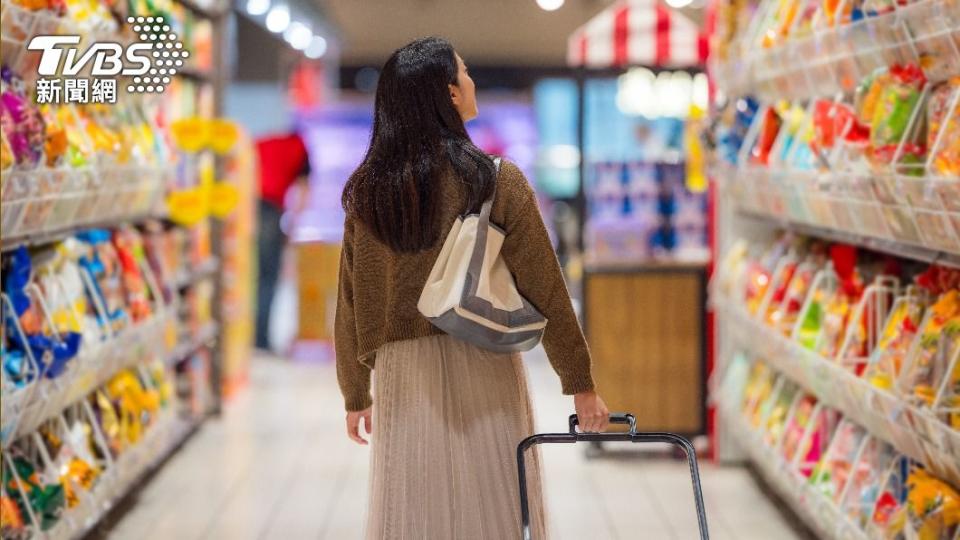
pixel 282 160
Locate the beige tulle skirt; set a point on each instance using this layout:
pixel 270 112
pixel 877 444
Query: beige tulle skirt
pixel 447 418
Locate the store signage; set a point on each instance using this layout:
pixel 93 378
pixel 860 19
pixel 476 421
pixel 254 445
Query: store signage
pixel 146 65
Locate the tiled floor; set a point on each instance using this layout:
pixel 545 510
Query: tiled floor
pixel 278 466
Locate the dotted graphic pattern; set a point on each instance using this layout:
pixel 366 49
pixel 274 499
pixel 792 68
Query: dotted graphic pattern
pixel 168 54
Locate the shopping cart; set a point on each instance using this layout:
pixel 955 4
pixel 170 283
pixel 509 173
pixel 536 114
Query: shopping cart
pixel 632 436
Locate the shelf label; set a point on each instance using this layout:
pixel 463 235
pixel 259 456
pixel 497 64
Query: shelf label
pixel 191 134
pixel 224 197
pixel 189 206
pixel 223 135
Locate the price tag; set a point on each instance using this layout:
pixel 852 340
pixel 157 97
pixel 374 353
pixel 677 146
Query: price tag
pixel 223 135
pixel 188 207
pixel 224 197
pixel 191 134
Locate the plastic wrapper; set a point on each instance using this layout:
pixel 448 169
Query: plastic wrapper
pixel 769 128
pixel 892 112
pixel 831 475
pixel 942 118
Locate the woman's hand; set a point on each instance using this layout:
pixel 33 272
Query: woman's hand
pixel 353 424
pixel 591 412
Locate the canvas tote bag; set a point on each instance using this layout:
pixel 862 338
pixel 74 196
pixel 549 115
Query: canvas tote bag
pixel 471 293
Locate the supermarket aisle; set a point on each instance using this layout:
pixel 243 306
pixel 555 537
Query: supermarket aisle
pixel 279 466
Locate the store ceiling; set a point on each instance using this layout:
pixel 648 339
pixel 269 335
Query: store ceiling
pixel 485 32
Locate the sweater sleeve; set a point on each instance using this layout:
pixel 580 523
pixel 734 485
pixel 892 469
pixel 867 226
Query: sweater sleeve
pixel 353 377
pixel 530 256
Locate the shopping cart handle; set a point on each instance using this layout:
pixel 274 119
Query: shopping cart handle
pixel 633 436
pixel 615 418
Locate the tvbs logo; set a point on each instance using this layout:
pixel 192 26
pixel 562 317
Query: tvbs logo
pixel 150 62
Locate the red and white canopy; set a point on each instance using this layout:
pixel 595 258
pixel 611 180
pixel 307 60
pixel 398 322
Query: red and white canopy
pixel 637 33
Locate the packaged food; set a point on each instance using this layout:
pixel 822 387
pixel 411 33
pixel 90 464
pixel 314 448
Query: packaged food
pixel 933 507
pixel 45 497
pixel 939 345
pixel 760 383
pixel 50 352
pixel 941 118
pixel 866 480
pixel 129 248
pixel 894 108
pixel 767 135
pixel 776 412
pixel 897 336
pixel 22 122
pixel 831 474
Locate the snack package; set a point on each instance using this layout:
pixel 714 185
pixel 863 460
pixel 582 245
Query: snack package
pixel 889 511
pixel 22 122
pixel 129 248
pixel 735 121
pixel 769 128
pixel 866 480
pixel 938 347
pixel 45 497
pixel 777 411
pixel 50 354
pixel 808 451
pixel 840 307
pixel 898 334
pixel 76 472
pixel 757 391
pixel 12 522
pixel 780 22
pixel 933 507
pixel 103 264
pixel 940 117
pixel 891 117
pixel 831 475
pixel 783 315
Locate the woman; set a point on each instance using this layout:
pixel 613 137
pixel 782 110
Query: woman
pixel 448 415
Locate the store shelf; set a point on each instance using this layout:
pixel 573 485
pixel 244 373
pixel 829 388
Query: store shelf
pixel 27 408
pixel 204 337
pixel 124 475
pixel 45 205
pixel 891 247
pixel 830 60
pixel 199 273
pixel 821 514
pixel 912 431
pixel 56 235
pixel 916 218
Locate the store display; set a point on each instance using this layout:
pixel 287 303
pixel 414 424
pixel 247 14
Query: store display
pixel 885 356
pixel 879 164
pixel 849 483
pixel 642 212
pixel 105 302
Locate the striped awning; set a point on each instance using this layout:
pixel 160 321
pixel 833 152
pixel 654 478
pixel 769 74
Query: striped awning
pixel 638 33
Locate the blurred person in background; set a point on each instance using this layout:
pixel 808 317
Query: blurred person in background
pixel 445 415
pixel 283 162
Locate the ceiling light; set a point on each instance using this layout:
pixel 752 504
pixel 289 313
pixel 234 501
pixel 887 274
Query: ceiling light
pixel 257 7
pixel 550 5
pixel 679 4
pixel 278 19
pixel 298 35
pixel 317 47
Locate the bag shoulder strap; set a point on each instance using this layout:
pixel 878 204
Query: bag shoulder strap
pixel 488 204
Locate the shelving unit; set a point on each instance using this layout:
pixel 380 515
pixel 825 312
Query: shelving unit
pixel 800 150
pixel 41 207
pixel 913 431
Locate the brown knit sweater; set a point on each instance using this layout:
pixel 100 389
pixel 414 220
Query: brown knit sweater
pixel 379 289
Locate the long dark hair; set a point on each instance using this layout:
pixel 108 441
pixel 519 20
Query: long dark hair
pixel 418 137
